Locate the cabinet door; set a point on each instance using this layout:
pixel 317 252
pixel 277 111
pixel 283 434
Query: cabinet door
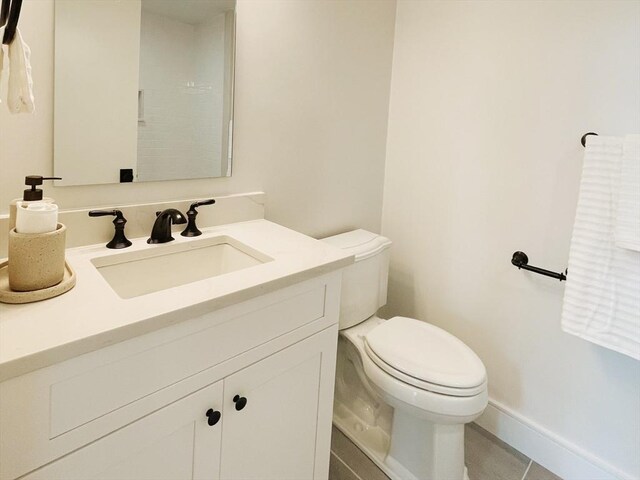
pixel 175 442
pixel 278 414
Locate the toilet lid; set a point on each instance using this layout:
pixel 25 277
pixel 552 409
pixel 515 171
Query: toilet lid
pixel 360 243
pixel 425 353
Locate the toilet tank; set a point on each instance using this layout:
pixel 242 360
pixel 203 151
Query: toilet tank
pixel 364 283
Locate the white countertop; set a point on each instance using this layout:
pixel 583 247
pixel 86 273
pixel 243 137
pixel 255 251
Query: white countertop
pixel 92 315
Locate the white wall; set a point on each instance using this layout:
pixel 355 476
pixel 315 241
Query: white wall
pixel 489 101
pixel 312 94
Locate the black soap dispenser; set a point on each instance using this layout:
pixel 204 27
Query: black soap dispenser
pixel 31 194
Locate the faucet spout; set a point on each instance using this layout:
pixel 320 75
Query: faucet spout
pixel 161 231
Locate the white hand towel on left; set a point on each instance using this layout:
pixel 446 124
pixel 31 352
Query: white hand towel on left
pixel 20 94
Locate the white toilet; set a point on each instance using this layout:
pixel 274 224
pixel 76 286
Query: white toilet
pixel 404 388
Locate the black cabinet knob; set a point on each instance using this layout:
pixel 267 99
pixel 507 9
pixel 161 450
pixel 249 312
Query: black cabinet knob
pixel 240 402
pixel 213 416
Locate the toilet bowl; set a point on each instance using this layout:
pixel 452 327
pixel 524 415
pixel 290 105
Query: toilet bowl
pixel 404 388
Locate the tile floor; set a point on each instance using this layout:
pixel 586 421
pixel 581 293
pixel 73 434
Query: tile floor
pixel 487 458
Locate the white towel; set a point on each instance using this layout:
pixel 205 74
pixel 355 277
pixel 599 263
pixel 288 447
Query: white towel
pixel 627 229
pixel 20 94
pixel 602 294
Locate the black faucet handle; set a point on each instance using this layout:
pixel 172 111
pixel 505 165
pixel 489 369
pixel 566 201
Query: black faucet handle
pixel 192 230
pixel 103 213
pixel 195 205
pixel 119 240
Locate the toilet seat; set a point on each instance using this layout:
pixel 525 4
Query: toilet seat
pixel 421 402
pixel 426 357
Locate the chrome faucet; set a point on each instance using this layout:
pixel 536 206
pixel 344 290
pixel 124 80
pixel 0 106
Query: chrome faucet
pixel 161 232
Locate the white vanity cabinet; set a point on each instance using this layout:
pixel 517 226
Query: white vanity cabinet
pixel 146 408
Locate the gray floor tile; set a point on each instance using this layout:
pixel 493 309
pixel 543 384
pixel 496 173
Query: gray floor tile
pixel 352 456
pixel 538 472
pixel 489 458
pixel 486 457
pixel 339 471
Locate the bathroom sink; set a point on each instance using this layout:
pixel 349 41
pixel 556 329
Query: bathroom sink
pixel 157 268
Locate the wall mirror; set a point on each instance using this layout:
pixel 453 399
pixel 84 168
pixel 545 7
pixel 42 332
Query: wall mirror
pixel 143 90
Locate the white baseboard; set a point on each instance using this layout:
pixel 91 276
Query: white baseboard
pixel 556 454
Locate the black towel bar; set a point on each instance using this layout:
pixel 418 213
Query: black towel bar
pixel 521 260
pixel 583 140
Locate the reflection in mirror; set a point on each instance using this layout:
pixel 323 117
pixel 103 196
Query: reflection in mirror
pixel 143 90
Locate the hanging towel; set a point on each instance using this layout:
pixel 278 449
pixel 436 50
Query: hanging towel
pixel 20 92
pixel 602 294
pixel 627 229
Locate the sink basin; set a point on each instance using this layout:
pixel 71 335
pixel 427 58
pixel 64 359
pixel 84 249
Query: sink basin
pixel 156 268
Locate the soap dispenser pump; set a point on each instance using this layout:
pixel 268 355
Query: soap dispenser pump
pixel 32 194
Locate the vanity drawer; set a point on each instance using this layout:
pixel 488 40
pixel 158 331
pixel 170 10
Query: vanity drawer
pixel 53 411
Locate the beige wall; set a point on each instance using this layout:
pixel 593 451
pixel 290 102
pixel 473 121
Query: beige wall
pixel 312 86
pixel 488 104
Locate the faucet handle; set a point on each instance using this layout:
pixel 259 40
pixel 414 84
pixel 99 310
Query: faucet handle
pixel 119 240
pixel 202 203
pixel 191 230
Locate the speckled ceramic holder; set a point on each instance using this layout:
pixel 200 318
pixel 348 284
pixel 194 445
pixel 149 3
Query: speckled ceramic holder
pixel 36 260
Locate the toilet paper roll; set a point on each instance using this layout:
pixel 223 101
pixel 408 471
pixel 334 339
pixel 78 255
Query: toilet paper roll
pixel 36 261
pixel 36 217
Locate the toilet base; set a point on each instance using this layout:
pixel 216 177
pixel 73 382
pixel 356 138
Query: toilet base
pixel 375 443
pixel 425 450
